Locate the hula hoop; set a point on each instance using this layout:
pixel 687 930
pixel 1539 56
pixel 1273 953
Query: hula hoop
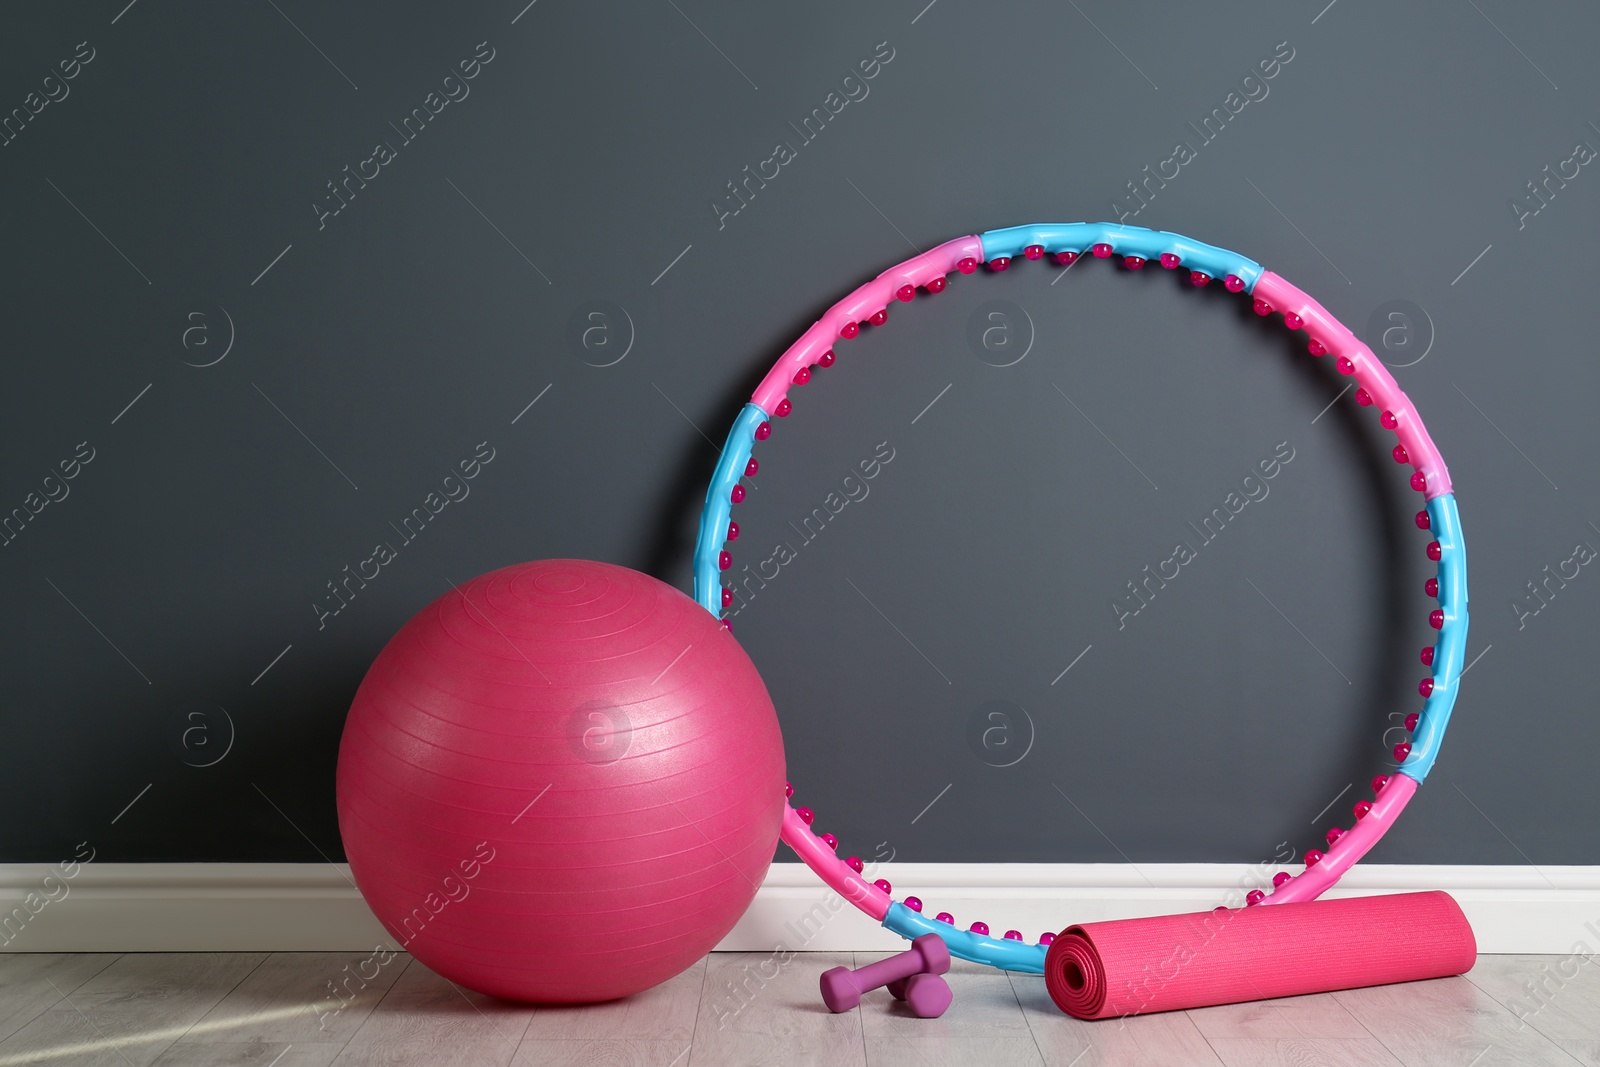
pixel 1271 294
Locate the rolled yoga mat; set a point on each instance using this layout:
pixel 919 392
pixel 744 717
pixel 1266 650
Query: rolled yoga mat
pixel 1172 962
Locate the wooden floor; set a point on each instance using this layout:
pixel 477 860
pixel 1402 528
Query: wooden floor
pixel 276 1010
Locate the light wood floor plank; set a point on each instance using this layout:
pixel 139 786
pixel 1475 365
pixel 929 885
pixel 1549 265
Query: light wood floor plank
pixel 1449 1022
pixel 1168 1039
pixel 301 998
pixel 424 1019
pixel 1319 1015
pixel 1303 1052
pixel 951 1052
pixel 842 1048
pixel 608 1052
pixel 251 1054
pixel 34 982
pixel 665 1013
pixel 1559 996
pixel 136 1007
pixel 64 1037
pixel 759 1008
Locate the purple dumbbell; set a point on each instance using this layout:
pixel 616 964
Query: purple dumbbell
pixel 919 966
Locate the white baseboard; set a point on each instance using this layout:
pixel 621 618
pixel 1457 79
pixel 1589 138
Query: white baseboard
pixel 215 907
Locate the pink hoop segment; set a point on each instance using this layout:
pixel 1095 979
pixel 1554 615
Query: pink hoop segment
pixel 859 306
pixel 1368 371
pixel 1353 843
pixel 830 868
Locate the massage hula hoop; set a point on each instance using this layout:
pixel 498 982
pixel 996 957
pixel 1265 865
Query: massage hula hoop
pixel 1271 294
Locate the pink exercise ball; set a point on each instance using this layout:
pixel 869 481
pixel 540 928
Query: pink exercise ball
pixel 561 783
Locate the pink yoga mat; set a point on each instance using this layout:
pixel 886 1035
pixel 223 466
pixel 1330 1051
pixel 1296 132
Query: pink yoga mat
pixel 1172 962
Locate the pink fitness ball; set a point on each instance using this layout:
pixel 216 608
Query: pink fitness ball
pixel 516 749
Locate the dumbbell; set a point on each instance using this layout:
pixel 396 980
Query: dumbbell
pixel 916 971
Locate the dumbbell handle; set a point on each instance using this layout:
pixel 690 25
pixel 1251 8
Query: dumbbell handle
pixel 915 960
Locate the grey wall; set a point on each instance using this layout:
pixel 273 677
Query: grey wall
pixel 166 208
